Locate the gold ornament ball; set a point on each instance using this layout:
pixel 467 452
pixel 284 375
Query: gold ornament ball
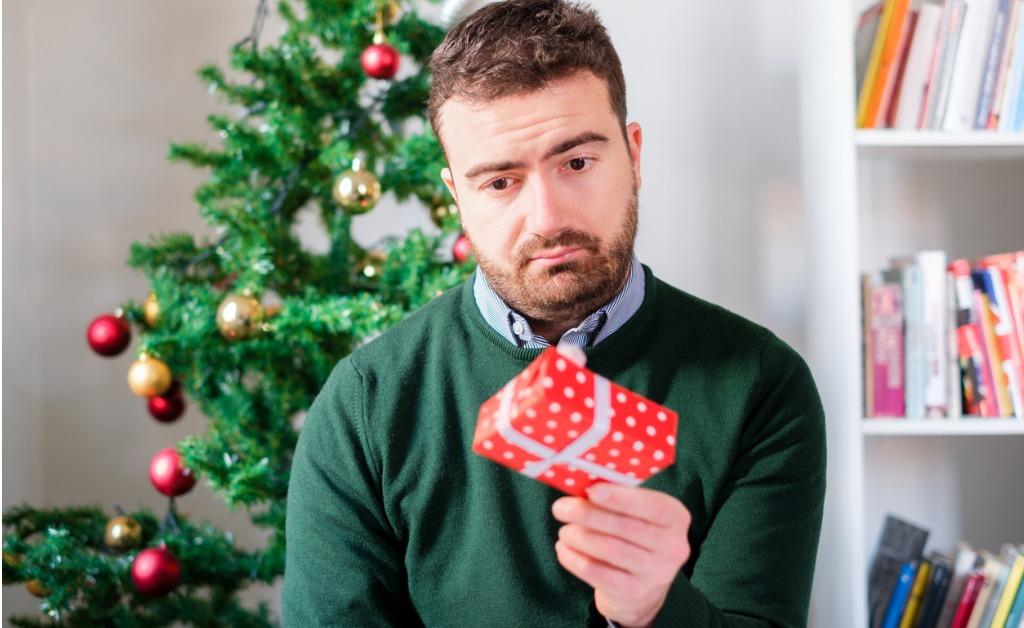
pixel 440 213
pixel 122 533
pixel 12 561
pixel 356 190
pixel 239 316
pixel 149 376
pixel 372 266
pixel 36 588
pixel 151 310
pixel 391 11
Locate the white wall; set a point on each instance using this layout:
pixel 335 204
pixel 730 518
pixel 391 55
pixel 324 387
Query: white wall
pixel 93 93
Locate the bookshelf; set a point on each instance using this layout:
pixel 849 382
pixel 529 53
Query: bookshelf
pixel 868 196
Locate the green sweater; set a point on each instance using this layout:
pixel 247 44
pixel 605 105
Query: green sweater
pixel 393 521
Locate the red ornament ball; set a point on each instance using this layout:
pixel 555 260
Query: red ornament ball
pixel 108 335
pixel 380 61
pixel 168 406
pixel 169 474
pixel 461 250
pixel 156 571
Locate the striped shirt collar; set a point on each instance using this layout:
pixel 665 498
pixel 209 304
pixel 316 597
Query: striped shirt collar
pixel 594 328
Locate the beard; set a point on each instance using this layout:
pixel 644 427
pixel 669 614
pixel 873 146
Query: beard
pixel 571 290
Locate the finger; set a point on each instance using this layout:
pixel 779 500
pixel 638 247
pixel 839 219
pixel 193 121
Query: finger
pixel 660 509
pixel 594 572
pixel 591 516
pixel 610 549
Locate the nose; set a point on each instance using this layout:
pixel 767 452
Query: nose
pixel 547 214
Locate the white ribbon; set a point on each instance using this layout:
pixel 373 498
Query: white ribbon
pixel 570 455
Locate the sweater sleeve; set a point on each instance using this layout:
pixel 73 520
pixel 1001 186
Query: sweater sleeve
pixel 343 564
pixel 756 564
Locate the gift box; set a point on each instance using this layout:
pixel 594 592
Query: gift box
pixel 567 426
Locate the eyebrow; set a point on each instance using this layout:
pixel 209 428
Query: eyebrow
pixel 586 137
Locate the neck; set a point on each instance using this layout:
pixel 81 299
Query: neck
pixel 552 330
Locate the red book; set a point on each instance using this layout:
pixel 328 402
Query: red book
pixel 887 349
pixel 971 355
pixel 968 599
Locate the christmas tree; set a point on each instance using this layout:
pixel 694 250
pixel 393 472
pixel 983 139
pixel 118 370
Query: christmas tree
pixel 248 325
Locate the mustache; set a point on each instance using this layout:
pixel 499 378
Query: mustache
pixel 565 238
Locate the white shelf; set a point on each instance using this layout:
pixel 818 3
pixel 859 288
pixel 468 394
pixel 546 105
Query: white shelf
pixel 939 144
pixel 972 426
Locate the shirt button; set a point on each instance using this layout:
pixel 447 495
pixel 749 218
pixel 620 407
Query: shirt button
pixel 517 327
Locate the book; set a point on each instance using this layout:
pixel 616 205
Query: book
pixel 941 75
pixel 1015 75
pixel 964 563
pixel 935 594
pixel 967 600
pixel 969 66
pixel 934 334
pixel 883 57
pixel 990 567
pixel 900 542
pixel 993 357
pixel 1012 590
pixel 917 589
pixel 867 29
pixel 1002 80
pixel 887 351
pixel 866 344
pixel 1008 554
pixel 891 94
pixel 1016 617
pixel 993 62
pixel 900 594
pixel 1002 291
pixel 971 357
pixel 915 75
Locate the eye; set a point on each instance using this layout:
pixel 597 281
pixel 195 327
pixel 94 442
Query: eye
pixel 499 185
pixel 579 164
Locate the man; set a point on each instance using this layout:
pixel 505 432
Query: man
pixel 393 521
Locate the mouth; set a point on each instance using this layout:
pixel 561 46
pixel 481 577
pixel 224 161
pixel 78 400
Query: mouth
pixel 557 256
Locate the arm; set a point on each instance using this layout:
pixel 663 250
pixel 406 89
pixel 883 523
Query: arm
pixel 756 565
pixel 343 564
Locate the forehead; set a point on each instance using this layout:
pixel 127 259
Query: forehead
pixel 518 122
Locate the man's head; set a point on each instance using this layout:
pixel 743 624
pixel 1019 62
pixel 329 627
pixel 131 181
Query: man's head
pixel 529 103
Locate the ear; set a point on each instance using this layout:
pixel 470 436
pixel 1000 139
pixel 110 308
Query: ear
pixel 449 182
pixel 634 136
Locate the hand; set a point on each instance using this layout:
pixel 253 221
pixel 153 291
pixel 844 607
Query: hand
pixel 628 543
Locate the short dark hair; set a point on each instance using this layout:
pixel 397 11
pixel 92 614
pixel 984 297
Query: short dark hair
pixel 519 46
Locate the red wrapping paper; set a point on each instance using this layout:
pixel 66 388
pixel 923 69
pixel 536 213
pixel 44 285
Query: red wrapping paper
pixel 568 427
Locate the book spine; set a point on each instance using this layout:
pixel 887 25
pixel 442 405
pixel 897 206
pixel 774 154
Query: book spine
pixel 970 354
pixel 935 596
pixel 942 69
pixel 1015 80
pixel 1010 588
pixel 919 60
pixel 933 281
pixel 913 609
pixel 990 403
pixel 953 371
pixel 894 86
pixel 868 87
pixel 992 355
pixel 900 594
pixel 1006 337
pixel 999 98
pixel 887 351
pixel 868 351
pixel 993 63
pixel 967 600
pixel 967 71
pixel 914 337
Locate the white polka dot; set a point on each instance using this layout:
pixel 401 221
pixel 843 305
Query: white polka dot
pixel 488 444
pixel 630 421
pixel 569 393
pixel 552 424
pixel 638 446
pixel 634 461
pixel 547 382
pixel 655 469
pixel 641 406
pixel 560 364
pixel 588 402
pixel 530 412
pixel 573 433
pixel 549 439
pixel 651 431
pixel 617 437
pixel 575 417
pixel 591 457
pixel 614 453
pixel 671 439
pixel 580 377
pixel 662 416
pixel 508 455
pixel 527 429
pixel 621 397
pixel 549 473
pixel 659 454
pixel 555 407
pixel 569 481
pixel 610 465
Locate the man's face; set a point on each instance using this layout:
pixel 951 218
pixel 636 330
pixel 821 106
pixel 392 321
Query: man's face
pixel 547 191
